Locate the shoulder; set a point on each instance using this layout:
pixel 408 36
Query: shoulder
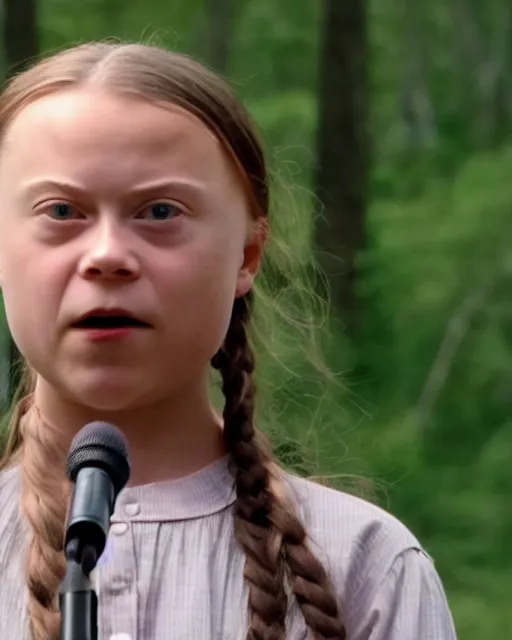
pixel 348 526
pixel 10 489
pixel 12 557
pixel 382 575
pixel 11 522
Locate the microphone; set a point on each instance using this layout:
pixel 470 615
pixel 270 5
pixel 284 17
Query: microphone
pixel 98 466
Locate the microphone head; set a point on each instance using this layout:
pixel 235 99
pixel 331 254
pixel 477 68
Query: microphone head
pixel 100 445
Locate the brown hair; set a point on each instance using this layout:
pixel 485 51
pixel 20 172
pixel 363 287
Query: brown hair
pixel 278 556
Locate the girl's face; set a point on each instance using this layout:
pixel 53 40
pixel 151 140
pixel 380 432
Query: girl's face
pixel 111 204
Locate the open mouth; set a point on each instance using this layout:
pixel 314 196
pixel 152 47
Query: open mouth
pixel 110 322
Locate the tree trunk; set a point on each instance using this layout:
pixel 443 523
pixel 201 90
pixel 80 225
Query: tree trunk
pixel 341 176
pixel 21 37
pixel 485 54
pixel 219 17
pixel 21 46
pixel 503 93
pixel 417 108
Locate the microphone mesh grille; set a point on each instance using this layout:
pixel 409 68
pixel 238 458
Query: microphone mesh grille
pixel 101 445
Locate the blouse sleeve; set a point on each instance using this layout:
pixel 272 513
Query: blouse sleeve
pixel 409 603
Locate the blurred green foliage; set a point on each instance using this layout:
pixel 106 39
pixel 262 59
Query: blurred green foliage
pixel 423 406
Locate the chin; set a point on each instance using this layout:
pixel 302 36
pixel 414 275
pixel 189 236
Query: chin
pixel 108 404
pixel 107 395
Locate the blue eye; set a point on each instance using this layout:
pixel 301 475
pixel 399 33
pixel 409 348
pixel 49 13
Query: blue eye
pixel 62 211
pixel 162 211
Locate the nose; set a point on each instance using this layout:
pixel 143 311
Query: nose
pixel 110 257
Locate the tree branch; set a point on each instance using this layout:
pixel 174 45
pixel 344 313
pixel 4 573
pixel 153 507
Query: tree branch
pixel 455 332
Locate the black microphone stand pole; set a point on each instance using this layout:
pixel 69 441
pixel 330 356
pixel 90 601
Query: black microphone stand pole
pixel 77 598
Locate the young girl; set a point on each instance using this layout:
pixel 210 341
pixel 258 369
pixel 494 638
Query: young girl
pixel 133 221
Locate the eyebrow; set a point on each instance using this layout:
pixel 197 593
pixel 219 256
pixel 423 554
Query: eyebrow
pixel 183 186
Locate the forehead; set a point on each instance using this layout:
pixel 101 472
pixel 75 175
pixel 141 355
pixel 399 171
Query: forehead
pixel 100 135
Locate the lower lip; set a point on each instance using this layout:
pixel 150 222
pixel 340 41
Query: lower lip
pixel 100 335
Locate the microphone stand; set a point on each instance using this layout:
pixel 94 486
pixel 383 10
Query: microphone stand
pixel 77 598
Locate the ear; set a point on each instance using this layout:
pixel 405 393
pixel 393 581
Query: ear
pixel 252 257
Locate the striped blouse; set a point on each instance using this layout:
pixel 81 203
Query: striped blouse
pixel 172 570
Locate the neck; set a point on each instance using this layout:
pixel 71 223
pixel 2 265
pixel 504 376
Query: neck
pixel 167 439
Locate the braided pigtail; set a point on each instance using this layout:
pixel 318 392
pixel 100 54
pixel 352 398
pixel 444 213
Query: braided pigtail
pixel 44 500
pixel 266 527
pixel 264 563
